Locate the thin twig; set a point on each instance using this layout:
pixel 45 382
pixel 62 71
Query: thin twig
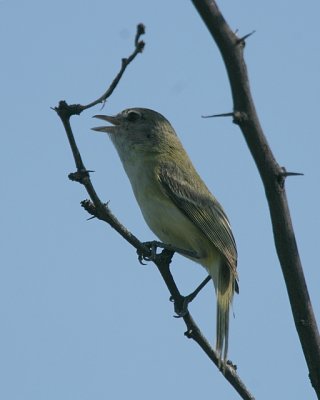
pixel 162 261
pixel 65 111
pixel 229 114
pixel 139 46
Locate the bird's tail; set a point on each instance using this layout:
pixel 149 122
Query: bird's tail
pixel 225 288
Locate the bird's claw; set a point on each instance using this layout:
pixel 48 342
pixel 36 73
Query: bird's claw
pixel 153 252
pixel 141 258
pixel 180 306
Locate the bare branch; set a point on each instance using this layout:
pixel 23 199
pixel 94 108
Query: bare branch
pixel 65 111
pixel 76 109
pixel 273 177
pixel 162 261
pixel 139 46
pixel 100 210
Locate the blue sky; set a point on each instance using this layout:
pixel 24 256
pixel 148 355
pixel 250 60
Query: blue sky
pixel 80 318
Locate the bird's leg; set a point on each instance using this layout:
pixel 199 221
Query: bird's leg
pixel 180 302
pixel 193 295
pixel 181 308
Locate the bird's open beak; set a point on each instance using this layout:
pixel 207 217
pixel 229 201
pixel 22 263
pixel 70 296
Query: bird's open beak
pixel 108 118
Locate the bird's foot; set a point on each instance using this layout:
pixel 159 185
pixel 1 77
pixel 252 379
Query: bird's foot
pixel 181 304
pixel 152 246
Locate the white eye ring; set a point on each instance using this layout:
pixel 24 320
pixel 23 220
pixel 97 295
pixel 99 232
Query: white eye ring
pixel 133 116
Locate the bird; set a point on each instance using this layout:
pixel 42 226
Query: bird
pixel 176 203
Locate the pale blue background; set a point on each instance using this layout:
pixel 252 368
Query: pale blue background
pixel 80 319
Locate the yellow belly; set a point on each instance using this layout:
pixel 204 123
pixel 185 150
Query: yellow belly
pixel 173 227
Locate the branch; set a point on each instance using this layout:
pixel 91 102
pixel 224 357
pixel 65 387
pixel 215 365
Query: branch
pixel 273 177
pixel 139 46
pixel 100 210
pixel 162 262
pixel 65 111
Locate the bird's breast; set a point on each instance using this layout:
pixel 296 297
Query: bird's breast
pixel 163 217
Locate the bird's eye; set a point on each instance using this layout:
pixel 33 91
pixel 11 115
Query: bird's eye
pixel 133 116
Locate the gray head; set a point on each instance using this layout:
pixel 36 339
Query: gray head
pixel 139 129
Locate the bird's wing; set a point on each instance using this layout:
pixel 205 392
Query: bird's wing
pixel 198 204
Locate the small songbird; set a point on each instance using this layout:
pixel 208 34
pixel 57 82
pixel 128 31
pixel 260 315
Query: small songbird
pixel 176 203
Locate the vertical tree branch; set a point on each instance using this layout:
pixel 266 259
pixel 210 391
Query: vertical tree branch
pixel 273 178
